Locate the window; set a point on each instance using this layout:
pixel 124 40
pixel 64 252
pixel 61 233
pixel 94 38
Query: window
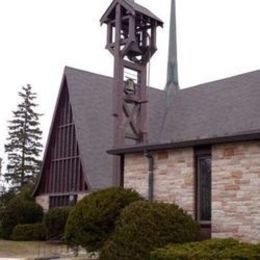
pixel 203 185
pixel 62 201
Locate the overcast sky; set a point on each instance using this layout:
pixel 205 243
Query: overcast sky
pixel 216 39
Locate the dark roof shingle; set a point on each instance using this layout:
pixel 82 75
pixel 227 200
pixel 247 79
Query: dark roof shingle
pixel 143 10
pixel 222 108
pixel 91 101
pixel 133 7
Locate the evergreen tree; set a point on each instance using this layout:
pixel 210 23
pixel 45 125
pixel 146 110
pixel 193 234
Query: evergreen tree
pixel 1 177
pixel 23 146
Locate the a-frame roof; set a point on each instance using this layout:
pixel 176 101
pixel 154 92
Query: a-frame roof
pixel 132 7
pixel 220 109
pixel 91 101
pixel 90 97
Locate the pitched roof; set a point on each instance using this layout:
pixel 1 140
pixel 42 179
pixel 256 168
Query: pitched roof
pixel 214 112
pixel 225 107
pixel 143 10
pixel 134 7
pixel 91 101
pixel 220 109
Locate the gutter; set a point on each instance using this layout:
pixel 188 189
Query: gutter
pixel 253 136
pixel 150 158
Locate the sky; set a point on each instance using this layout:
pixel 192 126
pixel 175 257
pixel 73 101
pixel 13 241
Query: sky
pixel 38 38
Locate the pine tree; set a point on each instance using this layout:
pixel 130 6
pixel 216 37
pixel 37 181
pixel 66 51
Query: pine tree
pixel 23 146
pixel 1 177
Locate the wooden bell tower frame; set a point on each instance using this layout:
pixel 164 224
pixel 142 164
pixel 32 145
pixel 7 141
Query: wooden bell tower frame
pixel 131 39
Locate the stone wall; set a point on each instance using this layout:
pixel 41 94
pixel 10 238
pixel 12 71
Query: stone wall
pixel 81 195
pixel 43 200
pixel 235 185
pixel 236 191
pixel 173 176
pixel 136 173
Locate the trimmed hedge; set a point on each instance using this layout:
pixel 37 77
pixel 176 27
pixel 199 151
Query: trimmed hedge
pixel 5 197
pixel 1 231
pixel 145 226
pixel 19 211
pixel 92 220
pixel 55 222
pixel 29 232
pixel 215 249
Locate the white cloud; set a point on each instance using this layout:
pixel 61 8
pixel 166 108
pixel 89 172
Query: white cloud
pixel 216 39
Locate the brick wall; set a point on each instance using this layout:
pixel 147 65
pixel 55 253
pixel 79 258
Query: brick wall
pixel 235 185
pixel 236 191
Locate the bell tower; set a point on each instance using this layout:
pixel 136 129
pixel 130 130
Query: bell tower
pixel 131 39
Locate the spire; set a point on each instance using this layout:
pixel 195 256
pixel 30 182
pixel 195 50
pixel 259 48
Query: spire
pixel 172 72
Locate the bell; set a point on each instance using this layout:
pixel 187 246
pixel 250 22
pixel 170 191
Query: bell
pixel 134 50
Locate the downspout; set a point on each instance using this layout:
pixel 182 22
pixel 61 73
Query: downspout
pixel 150 159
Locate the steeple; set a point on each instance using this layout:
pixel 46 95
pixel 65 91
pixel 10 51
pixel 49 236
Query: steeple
pixel 172 71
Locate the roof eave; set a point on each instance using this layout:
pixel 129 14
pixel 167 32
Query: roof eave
pixel 104 18
pixel 131 9
pixel 198 142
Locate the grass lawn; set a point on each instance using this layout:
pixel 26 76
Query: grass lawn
pixel 30 249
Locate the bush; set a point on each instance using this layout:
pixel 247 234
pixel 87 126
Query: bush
pixel 92 220
pixel 144 226
pixel 55 221
pixel 215 249
pixel 26 192
pixel 29 232
pixel 1 231
pixel 5 197
pixel 19 211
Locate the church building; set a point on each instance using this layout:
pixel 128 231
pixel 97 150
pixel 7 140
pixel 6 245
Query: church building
pixel 197 147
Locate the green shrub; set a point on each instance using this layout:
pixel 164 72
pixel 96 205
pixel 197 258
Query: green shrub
pixel 144 226
pixel 29 232
pixel 19 211
pixel 215 249
pixel 55 221
pixel 5 197
pixel 26 192
pixel 92 220
pixel 1 231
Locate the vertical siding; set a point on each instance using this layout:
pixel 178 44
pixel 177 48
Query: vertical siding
pixel 62 172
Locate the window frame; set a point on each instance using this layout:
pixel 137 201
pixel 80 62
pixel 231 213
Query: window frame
pixel 201 153
pixel 62 200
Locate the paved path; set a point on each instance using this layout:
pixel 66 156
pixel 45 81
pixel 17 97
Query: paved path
pixel 65 258
pixel 61 258
pixel 7 258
